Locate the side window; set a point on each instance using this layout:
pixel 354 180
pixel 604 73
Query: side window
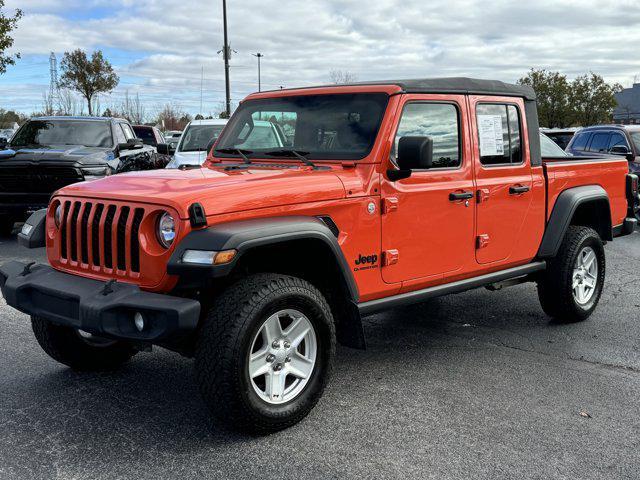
pixel 499 134
pixel 120 138
pixel 438 121
pixel 580 141
pixel 128 132
pixel 617 140
pixel 599 142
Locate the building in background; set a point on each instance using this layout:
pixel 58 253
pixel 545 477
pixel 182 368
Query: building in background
pixel 628 110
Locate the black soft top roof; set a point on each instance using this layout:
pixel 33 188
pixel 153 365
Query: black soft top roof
pixel 461 85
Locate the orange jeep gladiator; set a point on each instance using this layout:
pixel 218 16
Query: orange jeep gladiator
pixel 317 206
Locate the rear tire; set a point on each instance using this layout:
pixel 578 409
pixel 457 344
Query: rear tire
pixel 80 351
pixel 570 288
pixel 239 357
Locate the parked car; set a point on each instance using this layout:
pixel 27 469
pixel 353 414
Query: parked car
pixel 47 153
pixel 258 263
pixel 196 140
pixel 549 148
pixel 606 140
pixel 561 136
pixel 149 135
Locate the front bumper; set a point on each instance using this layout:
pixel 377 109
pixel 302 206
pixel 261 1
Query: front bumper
pixel 95 306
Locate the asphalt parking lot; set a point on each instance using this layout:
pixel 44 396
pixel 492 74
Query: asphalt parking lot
pixel 478 385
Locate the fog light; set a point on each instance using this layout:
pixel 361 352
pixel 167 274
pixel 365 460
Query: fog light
pixel 138 320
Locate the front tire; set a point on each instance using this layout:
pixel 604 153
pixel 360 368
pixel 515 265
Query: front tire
pixel 569 290
pixel 79 350
pixel 264 353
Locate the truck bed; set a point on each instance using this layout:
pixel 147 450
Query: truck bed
pixel 610 173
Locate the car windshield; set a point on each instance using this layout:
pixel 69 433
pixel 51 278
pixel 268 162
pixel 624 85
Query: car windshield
pixel 635 136
pixel 197 137
pixel 342 126
pixel 549 148
pixel 44 133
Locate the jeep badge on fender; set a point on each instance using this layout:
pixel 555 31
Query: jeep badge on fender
pixel 261 286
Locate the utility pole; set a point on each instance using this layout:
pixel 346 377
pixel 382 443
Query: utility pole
pixel 226 53
pixel 259 55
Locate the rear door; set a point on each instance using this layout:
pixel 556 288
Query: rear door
pixel 426 231
pixel 503 178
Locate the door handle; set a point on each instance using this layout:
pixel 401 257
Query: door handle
pixel 518 189
pixel 455 196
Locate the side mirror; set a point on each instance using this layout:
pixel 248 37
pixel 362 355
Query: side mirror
pixel 131 144
pixel 414 153
pixel 620 150
pixel 163 149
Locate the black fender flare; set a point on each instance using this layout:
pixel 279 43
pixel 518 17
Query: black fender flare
pixel 244 235
pixel 563 211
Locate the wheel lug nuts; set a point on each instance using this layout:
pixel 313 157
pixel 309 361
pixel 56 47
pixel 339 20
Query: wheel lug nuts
pixel 275 344
pixel 287 345
pixel 288 359
pixel 271 358
pixel 277 367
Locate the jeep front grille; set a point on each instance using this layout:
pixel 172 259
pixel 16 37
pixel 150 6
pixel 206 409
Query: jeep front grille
pixel 101 237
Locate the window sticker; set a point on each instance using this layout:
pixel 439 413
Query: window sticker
pixel 490 133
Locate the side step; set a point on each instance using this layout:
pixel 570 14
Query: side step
pixel 418 296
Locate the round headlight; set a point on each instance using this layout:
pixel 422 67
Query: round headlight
pixel 166 230
pixel 57 216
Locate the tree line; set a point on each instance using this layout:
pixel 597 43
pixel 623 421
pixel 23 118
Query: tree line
pixel 587 100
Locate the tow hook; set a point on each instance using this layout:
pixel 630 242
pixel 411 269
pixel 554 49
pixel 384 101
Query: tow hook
pixel 27 269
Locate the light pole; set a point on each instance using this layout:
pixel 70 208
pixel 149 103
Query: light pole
pixel 226 53
pixel 259 56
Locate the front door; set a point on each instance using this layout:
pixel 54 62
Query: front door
pixel 503 179
pixel 427 221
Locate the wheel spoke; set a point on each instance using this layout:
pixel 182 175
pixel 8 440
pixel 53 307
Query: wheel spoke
pixel 300 366
pixel 588 259
pixel 275 385
pixel 272 329
pixel 258 364
pixel 297 331
pixel 590 281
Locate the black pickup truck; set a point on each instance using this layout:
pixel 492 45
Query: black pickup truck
pixel 48 153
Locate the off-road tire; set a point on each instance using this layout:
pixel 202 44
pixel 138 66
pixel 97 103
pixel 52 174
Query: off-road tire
pixel 224 343
pixel 555 284
pixel 6 225
pixel 67 346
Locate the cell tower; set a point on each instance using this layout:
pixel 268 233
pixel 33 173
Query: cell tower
pixel 53 70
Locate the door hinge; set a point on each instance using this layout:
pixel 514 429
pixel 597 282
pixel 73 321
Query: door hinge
pixel 482 195
pixel 390 257
pixel 482 241
pixel 389 204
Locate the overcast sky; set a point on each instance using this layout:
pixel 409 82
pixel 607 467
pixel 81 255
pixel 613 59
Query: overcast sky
pixel 159 47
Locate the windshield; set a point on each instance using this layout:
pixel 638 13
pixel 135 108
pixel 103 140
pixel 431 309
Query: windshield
pixel 197 137
pixel 549 148
pixel 342 126
pixel 37 133
pixel 635 136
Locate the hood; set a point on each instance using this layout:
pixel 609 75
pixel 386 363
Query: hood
pixel 62 153
pixel 217 190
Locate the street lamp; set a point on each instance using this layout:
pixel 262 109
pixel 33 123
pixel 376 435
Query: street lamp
pixel 259 56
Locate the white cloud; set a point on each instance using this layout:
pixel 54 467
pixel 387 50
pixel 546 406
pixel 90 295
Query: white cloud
pixel 303 41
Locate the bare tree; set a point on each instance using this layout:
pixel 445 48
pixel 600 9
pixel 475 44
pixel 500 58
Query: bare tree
pixel 133 109
pixel 172 117
pixel 47 105
pixel 342 76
